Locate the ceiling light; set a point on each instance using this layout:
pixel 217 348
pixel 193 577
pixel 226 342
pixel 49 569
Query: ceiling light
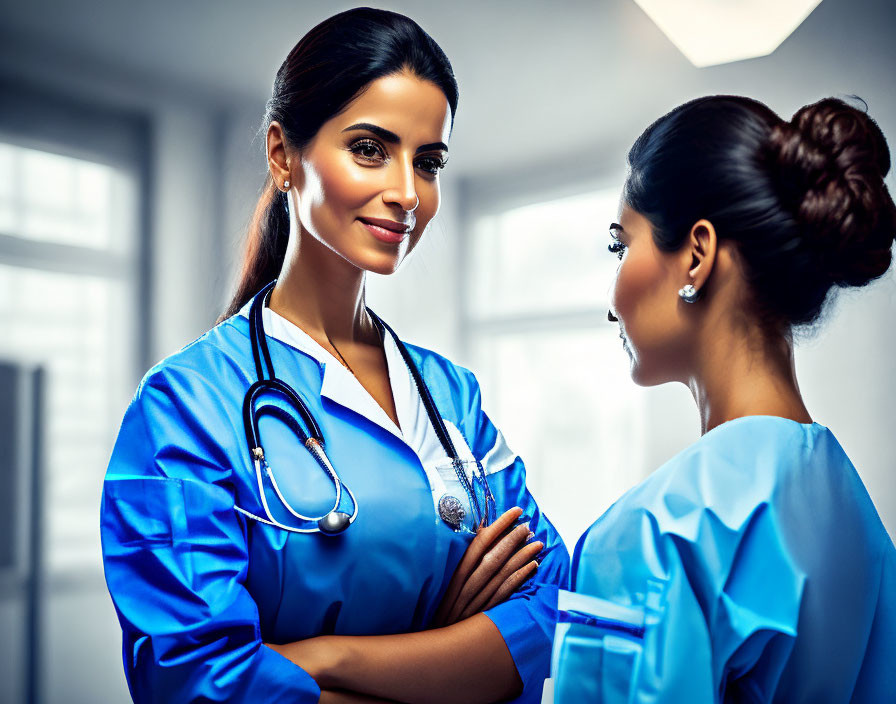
pixel 710 32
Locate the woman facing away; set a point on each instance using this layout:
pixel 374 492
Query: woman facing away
pixel 236 574
pixel 753 565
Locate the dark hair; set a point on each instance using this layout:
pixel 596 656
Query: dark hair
pixel 329 67
pixel 804 200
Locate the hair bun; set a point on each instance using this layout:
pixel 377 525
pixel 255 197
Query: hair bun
pixel 830 161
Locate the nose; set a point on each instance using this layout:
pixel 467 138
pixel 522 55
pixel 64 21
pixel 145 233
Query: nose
pixel 402 189
pixel 612 318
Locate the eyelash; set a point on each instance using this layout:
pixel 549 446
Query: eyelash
pixel 356 148
pixel 430 164
pixel 435 164
pixel 616 246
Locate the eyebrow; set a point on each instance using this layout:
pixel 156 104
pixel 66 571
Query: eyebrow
pixel 392 138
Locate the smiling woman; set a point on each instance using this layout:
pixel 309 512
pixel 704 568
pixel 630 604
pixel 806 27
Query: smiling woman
pixel 375 564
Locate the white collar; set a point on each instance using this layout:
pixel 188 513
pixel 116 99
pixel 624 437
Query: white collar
pixel 339 384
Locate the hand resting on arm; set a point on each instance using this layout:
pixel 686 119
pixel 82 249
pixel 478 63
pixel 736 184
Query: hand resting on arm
pixel 462 652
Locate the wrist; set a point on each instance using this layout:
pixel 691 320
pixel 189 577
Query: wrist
pixel 321 657
pixel 330 658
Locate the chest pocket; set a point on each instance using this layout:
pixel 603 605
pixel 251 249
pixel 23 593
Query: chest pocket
pixel 599 647
pixel 143 512
pixel 461 499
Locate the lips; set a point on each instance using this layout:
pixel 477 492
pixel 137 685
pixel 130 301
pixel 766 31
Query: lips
pixel 393 225
pixel 390 231
pixel 624 340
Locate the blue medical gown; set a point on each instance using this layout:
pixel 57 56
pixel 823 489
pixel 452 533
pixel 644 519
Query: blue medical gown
pixel 751 567
pixel 198 586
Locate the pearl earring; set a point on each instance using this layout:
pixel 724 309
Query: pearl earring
pixel 286 185
pixel 688 293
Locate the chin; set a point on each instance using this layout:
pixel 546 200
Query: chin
pixel 383 263
pixel 644 376
pixel 641 373
pixel 637 375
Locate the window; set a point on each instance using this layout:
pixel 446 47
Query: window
pixel 67 301
pixel 553 373
pixel 52 198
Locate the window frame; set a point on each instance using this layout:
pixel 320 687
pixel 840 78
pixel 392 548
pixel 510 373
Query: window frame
pixel 35 119
pixel 38 120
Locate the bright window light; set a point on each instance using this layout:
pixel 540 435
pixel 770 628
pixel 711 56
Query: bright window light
pixel 552 370
pixel 78 325
pixel 710 32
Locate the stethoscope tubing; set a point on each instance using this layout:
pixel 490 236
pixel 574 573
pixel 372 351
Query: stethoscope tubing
pixel 313 440
pixel 267 382
pixel 435 417
pixel 271 521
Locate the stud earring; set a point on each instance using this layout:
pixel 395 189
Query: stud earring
pixel 688 293
pixel 286 185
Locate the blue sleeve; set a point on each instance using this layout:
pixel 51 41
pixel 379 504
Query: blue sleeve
pixel 175 557
pixel 676 604
pixel 528 618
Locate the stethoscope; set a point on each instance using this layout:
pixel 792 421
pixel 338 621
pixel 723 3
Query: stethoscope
pixel 334 521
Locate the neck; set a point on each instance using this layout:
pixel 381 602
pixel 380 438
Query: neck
pixel 742 373
pixel 321 292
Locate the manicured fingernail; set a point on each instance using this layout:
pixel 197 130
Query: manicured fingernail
pixel 530 536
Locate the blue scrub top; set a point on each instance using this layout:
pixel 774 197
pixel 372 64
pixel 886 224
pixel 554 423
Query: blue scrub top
pixel 751 567
pixel 198 586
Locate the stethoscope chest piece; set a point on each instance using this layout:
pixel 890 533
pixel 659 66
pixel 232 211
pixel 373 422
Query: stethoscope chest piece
pixel 334 523
pixel 452 511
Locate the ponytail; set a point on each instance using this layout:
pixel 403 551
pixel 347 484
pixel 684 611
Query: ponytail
pixel 265 246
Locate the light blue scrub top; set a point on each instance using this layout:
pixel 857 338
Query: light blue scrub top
pixel 198 586
pixel 751 567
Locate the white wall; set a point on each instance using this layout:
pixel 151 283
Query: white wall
pixel 848 377
pixel 243 171
pixel 185 245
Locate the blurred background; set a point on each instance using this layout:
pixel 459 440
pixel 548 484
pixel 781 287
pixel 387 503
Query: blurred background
pixel 129 167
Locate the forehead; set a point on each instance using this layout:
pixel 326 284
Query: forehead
pixel 415 109
pixel 632 221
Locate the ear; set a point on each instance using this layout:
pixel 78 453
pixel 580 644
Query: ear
pixel 701 248
pixel 278 159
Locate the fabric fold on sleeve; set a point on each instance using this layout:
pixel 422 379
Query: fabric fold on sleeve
pixel 720 597
pixel 175 559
